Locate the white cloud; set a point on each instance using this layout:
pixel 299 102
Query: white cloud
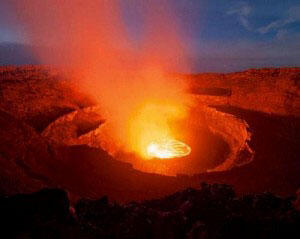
pixel 293 15
pixel 242 10
pixel 275 25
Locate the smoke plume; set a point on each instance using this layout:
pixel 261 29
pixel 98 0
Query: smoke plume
pixel 128 80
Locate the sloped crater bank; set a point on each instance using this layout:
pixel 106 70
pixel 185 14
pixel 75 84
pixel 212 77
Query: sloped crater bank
pixel 219 141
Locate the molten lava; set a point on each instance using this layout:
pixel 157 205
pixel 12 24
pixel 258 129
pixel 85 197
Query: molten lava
pixel 152 129
pixel 168 148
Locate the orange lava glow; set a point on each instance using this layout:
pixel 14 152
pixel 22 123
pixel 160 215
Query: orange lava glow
pixel 152 130
pixel 129 81
pixel 168 148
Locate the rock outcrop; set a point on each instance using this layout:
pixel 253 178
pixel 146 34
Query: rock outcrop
pixel 272 90
pixel 25 157
pixel 212 211
pixel 37 95
pixel 43 214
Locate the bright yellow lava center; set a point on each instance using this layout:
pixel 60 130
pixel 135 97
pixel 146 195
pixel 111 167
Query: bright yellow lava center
pixel 170 148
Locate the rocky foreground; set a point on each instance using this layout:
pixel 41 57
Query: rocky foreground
pixel 213 211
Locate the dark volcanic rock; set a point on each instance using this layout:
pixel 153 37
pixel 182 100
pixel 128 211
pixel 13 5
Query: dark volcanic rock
pixel 24 157
pixel 211 212
pixel 38 95
pixel 44 214
pixel 275 166
pixel 270 90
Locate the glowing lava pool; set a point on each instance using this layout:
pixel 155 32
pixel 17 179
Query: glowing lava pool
pixel 168 148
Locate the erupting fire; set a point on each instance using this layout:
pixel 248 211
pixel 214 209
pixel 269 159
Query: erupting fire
pixel 168 148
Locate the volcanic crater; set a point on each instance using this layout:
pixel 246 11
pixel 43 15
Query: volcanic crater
pixel 241 124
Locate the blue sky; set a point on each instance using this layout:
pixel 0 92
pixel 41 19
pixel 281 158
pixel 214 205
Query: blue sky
pixel 237 28
pixel 265 30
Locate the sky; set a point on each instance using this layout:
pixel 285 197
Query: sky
pixel 219 35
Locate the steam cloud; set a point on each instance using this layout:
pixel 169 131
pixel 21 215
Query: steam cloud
pixel 92 38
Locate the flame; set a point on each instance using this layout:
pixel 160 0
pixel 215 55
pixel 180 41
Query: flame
pixel 168 148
